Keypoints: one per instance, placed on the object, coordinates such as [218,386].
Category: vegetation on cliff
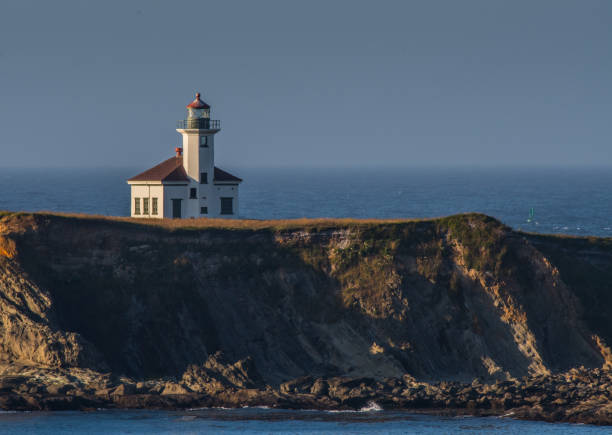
[441,299]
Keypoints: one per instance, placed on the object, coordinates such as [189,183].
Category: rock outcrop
[301,313]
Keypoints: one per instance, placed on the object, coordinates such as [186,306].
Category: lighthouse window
[193,193]
[145,205]
[154,205]
[203,210]
[203,178]
[204,141]
[136,205]
[227,205]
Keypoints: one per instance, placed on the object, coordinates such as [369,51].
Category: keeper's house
[188,185]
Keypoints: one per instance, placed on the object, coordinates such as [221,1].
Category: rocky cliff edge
[239,311]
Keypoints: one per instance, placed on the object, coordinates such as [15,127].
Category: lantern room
[198,109]
[198,117]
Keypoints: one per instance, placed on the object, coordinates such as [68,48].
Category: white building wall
[224,191]
[149,191]
[207,155]
[207,164]
[191,150]
[175,192]
[198,159]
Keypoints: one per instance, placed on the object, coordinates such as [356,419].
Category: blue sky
[316,83]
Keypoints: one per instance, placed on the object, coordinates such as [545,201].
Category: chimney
[179,151]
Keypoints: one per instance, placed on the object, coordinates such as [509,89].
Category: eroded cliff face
[446,299]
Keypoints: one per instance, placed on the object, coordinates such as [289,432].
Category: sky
[308,83]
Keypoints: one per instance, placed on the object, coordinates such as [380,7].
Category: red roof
[173,170]
[221,175]
[197,103]
[170,170]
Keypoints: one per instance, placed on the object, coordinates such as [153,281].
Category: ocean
[574,201]
[564,200]
[269,421]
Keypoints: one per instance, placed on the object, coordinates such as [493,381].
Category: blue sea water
[268,421]
[565,200]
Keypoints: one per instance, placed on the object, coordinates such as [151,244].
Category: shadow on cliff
[154,301]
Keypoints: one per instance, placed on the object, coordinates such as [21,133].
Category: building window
[227,205]
[203,210]
[193,193]
[145,205]
[203,178]
[204,141]
[136,206]
[154,206]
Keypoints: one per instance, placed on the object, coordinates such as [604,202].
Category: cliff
[449,299]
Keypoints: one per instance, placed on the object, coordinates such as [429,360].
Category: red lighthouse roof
[197,103]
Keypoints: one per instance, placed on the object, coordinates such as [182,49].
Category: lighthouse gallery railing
[200,123]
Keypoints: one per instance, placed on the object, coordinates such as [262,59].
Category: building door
[227,205]
[176,208]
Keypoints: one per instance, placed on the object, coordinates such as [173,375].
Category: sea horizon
[564,200]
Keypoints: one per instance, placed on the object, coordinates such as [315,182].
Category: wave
[371,407]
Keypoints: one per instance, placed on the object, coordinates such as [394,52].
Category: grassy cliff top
[154,296]
[472,224]
[228,224]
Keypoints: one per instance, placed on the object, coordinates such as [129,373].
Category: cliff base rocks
[99,312]
[577,396]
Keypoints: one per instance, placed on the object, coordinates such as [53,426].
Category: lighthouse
[188,185]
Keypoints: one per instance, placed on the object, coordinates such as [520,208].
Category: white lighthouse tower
[198,132]
[189,184]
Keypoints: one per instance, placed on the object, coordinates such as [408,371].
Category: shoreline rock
[577,396]
[458,315]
